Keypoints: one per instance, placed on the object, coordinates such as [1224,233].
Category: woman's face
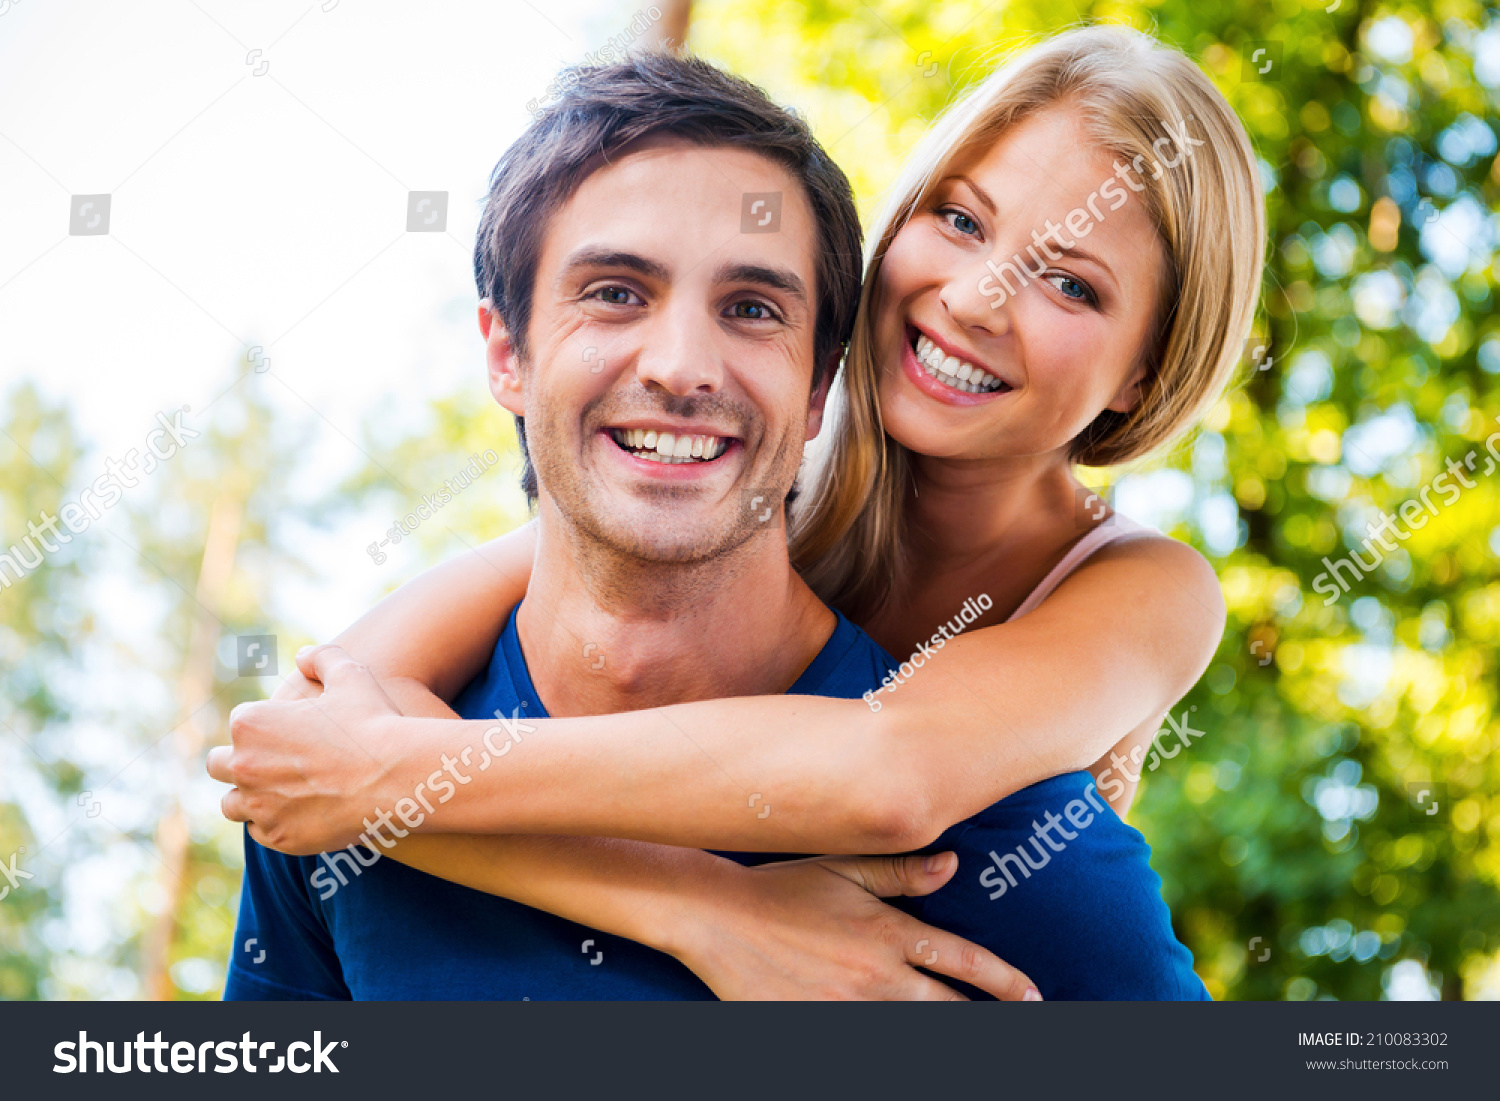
[1057,333]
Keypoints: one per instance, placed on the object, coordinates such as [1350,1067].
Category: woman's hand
[308,772]
[816,929]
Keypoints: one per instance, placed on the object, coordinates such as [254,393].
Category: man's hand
[816,929]
[307,772]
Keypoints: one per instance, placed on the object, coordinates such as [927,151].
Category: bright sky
[258,159]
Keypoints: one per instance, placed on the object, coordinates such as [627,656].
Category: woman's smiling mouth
[944,376]
[952,371]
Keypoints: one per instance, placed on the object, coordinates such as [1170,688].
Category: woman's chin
[917,423]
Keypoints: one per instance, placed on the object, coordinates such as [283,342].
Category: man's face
[670,360]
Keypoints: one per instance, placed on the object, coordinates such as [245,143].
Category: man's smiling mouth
[666,447]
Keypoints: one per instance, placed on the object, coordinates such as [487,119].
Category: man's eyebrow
[595,257]
[781,279]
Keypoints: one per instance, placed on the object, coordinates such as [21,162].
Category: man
[666,363]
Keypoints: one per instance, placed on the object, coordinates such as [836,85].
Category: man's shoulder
[850,664]
[503,685]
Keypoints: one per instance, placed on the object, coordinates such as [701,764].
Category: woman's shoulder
[1122,560]
[1159,559]
[1140,587]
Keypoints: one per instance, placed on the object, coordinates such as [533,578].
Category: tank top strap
[1116,528]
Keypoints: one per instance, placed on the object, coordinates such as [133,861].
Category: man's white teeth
[665,447]
[954,371]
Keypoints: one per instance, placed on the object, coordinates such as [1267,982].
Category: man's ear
[501,361]
[1128,396]
[820,396]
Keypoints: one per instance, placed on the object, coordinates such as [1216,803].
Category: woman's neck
[960,511]
[979,526]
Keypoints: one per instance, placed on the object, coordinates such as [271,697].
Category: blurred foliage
[1294,819]
[104,724]
[37,632]
[464,463]
[96,747]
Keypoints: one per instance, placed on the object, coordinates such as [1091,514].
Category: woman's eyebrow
[980,193]
[1086,256]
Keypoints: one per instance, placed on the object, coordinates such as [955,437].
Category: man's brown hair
[604,108]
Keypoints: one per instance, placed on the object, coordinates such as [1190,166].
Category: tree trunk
[194,689]
[670,32]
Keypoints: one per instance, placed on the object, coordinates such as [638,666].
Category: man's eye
[615,296]
[752,310]
[1075,289]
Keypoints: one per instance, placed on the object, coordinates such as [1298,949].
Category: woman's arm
[804,929]
[795,930]
[993,711]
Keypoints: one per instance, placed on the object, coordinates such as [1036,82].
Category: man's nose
[680,354]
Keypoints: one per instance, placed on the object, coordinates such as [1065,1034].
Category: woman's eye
[1072,288]
[615,296]
[751,310]
[961,222]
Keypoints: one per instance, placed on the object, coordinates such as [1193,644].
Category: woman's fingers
[889,876]
[945,954]
[329,664]
[220,763]
[925,989]
[932,949]
[234,807]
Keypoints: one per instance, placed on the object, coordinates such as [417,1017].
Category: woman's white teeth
[954,371]
[665,447]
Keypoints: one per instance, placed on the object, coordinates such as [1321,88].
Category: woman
[1066,275]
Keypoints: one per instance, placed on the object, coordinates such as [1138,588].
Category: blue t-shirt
[1085,922]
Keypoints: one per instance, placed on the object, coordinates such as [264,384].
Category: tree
[42,624]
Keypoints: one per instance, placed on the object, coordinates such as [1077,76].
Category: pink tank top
[1118,527]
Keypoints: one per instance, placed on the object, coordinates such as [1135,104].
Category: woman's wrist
[409,767]
[688,923]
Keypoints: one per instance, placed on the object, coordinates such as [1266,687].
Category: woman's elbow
[896,813]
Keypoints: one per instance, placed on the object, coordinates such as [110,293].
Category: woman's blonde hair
[847,532]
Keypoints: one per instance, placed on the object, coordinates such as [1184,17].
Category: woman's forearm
[767,773]
[547,776]
[480,766]
[647,893]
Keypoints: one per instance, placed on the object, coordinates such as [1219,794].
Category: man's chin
[655,532]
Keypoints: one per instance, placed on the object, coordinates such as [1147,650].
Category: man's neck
[602,632]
